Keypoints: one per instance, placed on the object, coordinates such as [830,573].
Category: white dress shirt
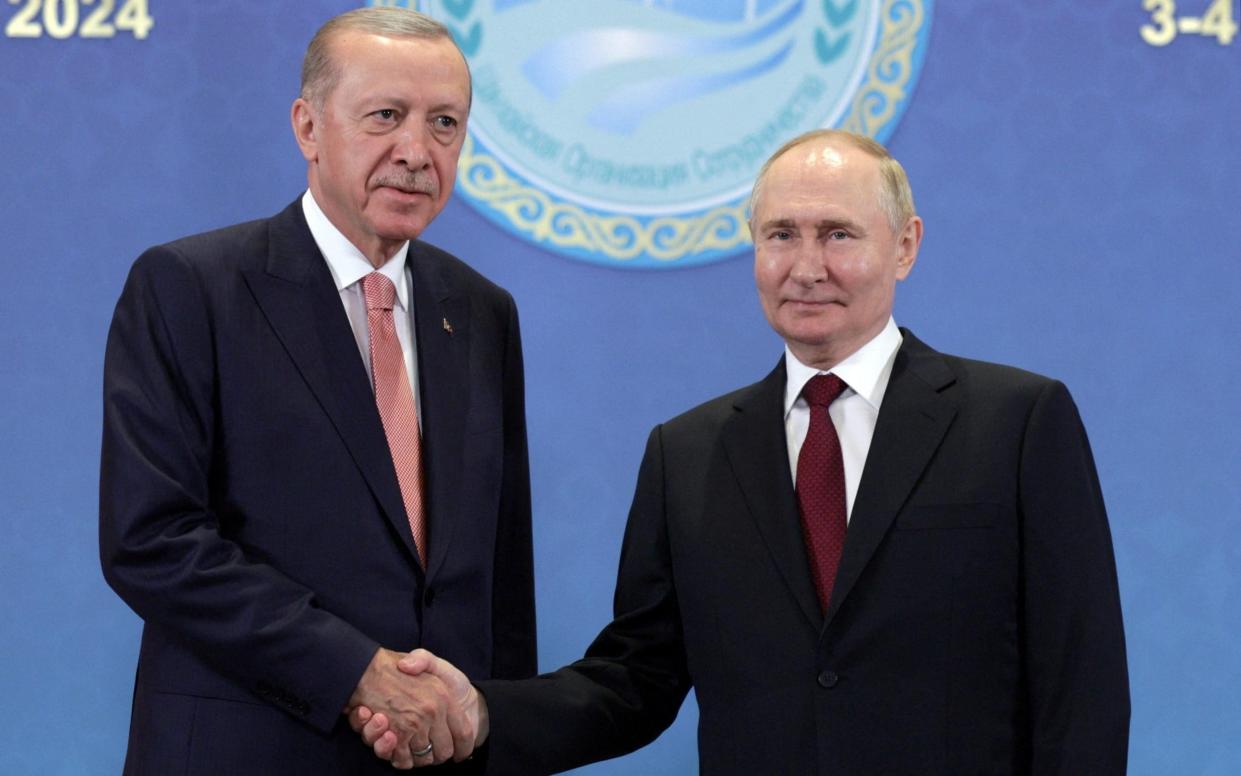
[865,373]
[348,267]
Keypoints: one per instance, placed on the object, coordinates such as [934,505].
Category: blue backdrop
[1080,190]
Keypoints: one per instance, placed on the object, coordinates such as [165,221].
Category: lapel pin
[447,326]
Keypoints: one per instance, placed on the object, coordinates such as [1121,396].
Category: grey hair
[896,198]
[320,73]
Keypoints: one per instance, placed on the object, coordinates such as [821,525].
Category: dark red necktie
[821,486]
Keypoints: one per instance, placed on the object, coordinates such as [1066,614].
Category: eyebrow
[823,224]
[449,107]
[367,102]
[840,223]
[370,101]
[779,223]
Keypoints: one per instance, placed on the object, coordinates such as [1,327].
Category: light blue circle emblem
[629,132]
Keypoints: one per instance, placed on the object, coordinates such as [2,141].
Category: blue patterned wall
[1080,190]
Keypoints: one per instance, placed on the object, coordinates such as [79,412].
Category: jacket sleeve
[633,679]
[1074,638]
[162,547]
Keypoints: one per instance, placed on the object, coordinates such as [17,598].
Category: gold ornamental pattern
[621,237]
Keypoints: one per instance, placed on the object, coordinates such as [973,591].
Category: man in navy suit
[284,537]
[964,620]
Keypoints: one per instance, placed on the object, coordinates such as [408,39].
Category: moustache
[415,183]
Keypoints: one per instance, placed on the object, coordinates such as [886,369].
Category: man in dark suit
[314,447]
[912,574]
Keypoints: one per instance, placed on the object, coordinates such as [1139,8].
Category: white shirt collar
[866,371]
[345,261]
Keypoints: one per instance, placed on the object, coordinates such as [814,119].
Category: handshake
[416,710]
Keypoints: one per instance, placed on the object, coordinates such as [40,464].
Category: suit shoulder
[989,373]
[226,244]
[192,265]
[985,377]
[983,388]
[1000,390]
[709,415]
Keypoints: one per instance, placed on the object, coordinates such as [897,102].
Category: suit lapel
[294,289]
[912,422]
[442,327]
[754,443]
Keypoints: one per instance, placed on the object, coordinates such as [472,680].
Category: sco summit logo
[628,132]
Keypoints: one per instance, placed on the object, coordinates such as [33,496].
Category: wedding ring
[423,752]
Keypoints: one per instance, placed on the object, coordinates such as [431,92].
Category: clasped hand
[416,710]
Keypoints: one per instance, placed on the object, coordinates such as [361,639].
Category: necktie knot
[822,390]
[379,291]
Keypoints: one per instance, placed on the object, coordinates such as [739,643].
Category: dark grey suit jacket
[250,512]
[974,627]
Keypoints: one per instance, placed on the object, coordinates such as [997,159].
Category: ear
[907,247]
[304,120]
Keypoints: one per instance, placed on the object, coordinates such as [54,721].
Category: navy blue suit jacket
[250,512]
[974,627]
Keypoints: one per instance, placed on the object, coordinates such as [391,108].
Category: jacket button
[828,679]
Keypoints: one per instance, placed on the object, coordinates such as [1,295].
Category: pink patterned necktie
[821,486]
[395,399]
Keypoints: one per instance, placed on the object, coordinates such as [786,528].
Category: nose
[410,147]
[809,267]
